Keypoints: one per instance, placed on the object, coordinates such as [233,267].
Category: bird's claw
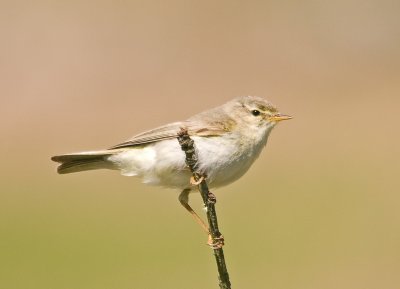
[216,243]
[211,199]
[193,181]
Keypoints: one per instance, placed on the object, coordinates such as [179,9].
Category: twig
[187,145]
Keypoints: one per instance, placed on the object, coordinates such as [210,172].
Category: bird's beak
[279,117]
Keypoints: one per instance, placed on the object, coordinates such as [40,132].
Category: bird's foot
[193,181]
[211,199]
[216,243]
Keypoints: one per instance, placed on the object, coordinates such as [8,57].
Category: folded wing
[170,131]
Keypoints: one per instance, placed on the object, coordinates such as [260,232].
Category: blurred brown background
[319,209]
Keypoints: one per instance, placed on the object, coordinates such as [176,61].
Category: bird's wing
[171,130]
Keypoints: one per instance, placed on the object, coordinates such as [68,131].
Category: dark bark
[188,146]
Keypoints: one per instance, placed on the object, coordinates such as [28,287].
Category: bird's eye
[255,112]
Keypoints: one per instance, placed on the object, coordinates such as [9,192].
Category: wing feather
[170,131]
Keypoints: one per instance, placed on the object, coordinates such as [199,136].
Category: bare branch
[188,146]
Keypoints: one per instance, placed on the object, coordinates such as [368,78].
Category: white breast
[223,159]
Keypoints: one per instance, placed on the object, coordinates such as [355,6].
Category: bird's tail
[84,161]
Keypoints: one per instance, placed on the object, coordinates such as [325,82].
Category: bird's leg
[184,199]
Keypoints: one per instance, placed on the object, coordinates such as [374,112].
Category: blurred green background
[319,209]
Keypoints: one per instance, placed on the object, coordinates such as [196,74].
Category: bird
[228,139]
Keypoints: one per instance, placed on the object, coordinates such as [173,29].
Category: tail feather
[71,163]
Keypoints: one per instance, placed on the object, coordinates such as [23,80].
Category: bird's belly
[223,159]
[163,163]
[218,158]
